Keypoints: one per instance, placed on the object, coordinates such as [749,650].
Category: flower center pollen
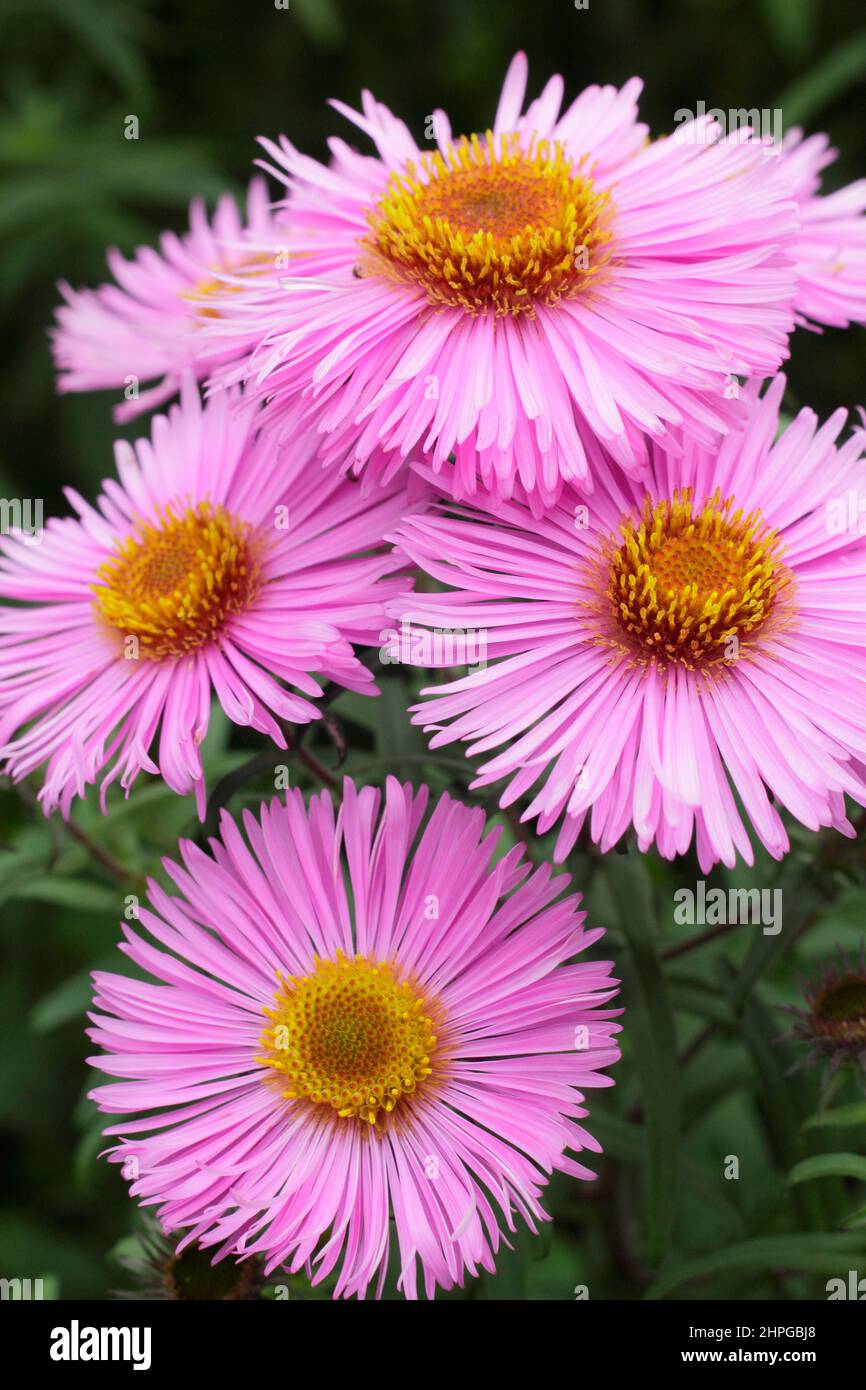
[691,586]
[202,295]
[491,227]
[352,1035]
[173,584]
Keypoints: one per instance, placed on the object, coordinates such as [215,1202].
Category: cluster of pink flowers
[539,366]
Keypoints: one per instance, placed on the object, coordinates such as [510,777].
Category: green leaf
[396,737]
[840,1118]
[697,997]
[782,1105]
[807,1253]
[360,709]
[766,948]
[70,892]
[829,1166]
[618,1137]
[99,28]
[69,1000]
[842,68]
[651,1025]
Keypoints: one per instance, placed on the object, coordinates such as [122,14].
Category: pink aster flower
[831,248]
[661,646]
[218,563]
[356,1021]
[523,297]
[148,324]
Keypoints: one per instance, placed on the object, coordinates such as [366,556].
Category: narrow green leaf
[99,28]
[618,1137]
[703,1000]
[840,1118]
[829,1166]
[843,67]
[651,1025]
[70,892]
[396,737]
[806,1253]
[67,1001]
[801,898]
[782,1106]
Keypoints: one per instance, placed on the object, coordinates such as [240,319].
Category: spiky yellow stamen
[692,586]
[492,226]
[353,1035]
[173,583]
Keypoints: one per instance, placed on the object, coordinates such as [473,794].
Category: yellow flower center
[201,294]
[691,587]
[173,584]
[352,1035]
[491,226]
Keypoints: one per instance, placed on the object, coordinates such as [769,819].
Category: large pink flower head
[524,297]
[218,563]
[148,325]
[664,644]
[831,248]
[356,1020]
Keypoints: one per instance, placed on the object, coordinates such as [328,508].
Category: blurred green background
[702,1077]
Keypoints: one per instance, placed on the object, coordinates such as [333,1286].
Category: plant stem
[692,943]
